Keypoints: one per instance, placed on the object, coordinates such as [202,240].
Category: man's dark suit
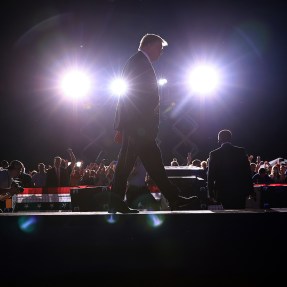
[137,117]
[138,111]
[229,176]
[52,179]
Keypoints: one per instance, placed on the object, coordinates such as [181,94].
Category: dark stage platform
[214,248]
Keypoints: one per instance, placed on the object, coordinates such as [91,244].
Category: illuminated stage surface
[204,248]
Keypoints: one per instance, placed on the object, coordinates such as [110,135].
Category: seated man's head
[224,136]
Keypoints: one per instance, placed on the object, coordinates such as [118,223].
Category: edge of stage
[221,247]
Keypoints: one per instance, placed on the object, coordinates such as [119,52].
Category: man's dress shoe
[121,207]
[185,203]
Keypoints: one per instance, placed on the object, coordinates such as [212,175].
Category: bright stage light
[204,79]
[162,82]
[75,84]
[118,87]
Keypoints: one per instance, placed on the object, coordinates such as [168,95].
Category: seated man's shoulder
[238,150]
[242,148]
[215,151]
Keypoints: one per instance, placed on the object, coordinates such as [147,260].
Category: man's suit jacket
[52,180]
[138,110]
[229,177]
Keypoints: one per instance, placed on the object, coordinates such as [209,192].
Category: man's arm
[248,175]
[118,137]
[211,177]
[72,158]
[6,193]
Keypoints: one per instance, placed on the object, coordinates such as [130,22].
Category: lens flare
[27,224]
[155,220]
[112,218]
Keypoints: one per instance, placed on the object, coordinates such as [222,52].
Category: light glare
[75,84]
[119,87]
[162,82]
[204,79]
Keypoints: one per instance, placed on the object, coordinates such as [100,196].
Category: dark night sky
[247,39]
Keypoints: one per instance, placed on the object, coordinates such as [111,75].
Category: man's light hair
[225,135]
[150,39]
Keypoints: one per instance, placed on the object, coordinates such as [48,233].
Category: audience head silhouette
[15,167]
[4,164]
[57,161]
[16,164]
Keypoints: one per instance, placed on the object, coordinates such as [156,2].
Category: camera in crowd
[16,183]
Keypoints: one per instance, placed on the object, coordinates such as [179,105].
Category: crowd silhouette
[74,173]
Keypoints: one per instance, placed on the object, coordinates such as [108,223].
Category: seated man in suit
[229,179]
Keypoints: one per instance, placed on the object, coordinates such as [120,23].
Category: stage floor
[218,248]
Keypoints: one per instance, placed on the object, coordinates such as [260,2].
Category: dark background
[246,39]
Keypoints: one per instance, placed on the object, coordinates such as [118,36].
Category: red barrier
[51,190]
[272,184]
